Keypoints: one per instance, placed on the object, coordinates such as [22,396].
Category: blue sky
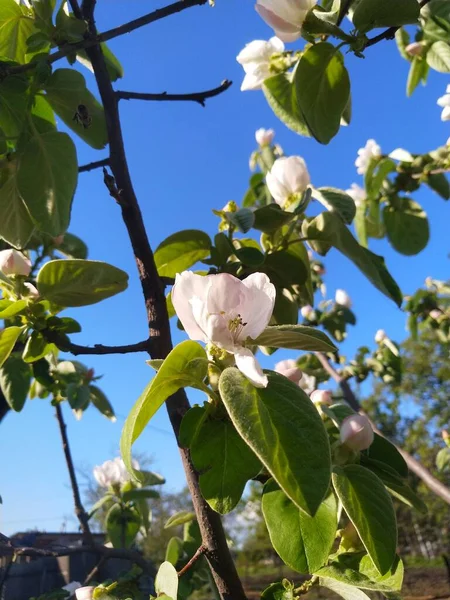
[185,161]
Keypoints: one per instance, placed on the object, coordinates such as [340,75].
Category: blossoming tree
[325,473]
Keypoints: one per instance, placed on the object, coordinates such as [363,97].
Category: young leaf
[370,14]
[439,183]
[185,366]
[336,200]
[122,525]
[348,592]
[13,101]
[438,57]
[270,218]
[407,226]
[383,451]
[181,251]
[79,282]
[8,339]
[73,247]
[279,93]
[301,541]
[295,337]
[179,518]
[285,431]
[15,379]
[16,26]
[101,402]
[417,71]
[369,507]
[174,550]
[322,90]
[166,581]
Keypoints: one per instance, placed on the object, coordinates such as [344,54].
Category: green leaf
[185,366]
[113,64]
[8,339]
[370,14]
[402,38]
[179,518]
[279,591]
[15,380]
[101,402]
[442,458]
[181,251]
[370,509]
[438,57]
[78,398]
[65,91]
[222,458]
[384,451]
[285,311]
[14,308]
[336,200]
[122,525]
[280,95]
[284,429]
[322,90]
[295,337]
[250,257]
[407,226]
[417,71]
[301,541]
[285,268]
[330,228]
[357,569]
[270,218]
[166,581]
[243,219]
[439,183]
[80,282]
[73,247]
[16,26]
[348,592]
[376,174]
[47,178]
[13,104]
[139,494]
[436,22]
[36,348]
[174,550]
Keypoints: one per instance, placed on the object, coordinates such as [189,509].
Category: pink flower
[223,311]
[13,262]
[322,397]
[264,137]
[285,16]
[415,49]
[289,369]
[356,432]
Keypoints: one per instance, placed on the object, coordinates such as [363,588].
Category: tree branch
[97,349]
[413,464]
[81,514]
[199,97]
[389,34]
[94,165]
[343,11]
[213,535]
[198,554]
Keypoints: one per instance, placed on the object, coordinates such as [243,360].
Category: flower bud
[85,593]
[289,369]
[284,16]
[264,137]
[356,432]
[343,298]
[322,397]
[13,262]
[308,312]
[435,313]
[287,180]
[414,49]
[380,336]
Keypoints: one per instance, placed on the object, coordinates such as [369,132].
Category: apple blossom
[13,262]
[85,593]
[308,312]
[287,180]
[415,48]
[444,102]
[365,155]
[435,313]
[112,472]
[72,587]
[401,155]
[380,336]
[264,137]
[341,297]
[32,291]
[255,59]
[289,369]
[322,397]
[224,311]
[356,432]
[285,16]
[308,383]
[357,193]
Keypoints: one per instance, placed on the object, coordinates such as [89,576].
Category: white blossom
[85,593]
[264,137]
[112,472]
[341,297]
[444,102]
[365,155]
[380,336]
[308,383]
[322,397]
[357,193]
[401,155]
[255,59]
[287,179]
[224,311]
[356,432]
[285,16]
[72,587]
[289,369]
[13,262]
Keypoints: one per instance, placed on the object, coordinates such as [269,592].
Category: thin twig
[75,9]
[95,570]
[343,11]
[94,165]
[199,97]
[81,514]
[87,8]
[414,465]
[97,349]
[156,15]
[389,34]
[198,554]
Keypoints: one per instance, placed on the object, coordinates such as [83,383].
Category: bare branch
[343,11]
[199,97]
[97,349]
[198,554]
[389,34]
[75,9]
[94,165]
[413,464]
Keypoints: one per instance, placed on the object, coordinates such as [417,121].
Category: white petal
[187,286]
[249,366]
[276,44]
[401,155]
[255,51]
[226,294]
[445,116]
[259,304]
[251,83]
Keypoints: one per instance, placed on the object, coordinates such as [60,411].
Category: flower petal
[260,300]
[248,365]
[226,295]
[188,285]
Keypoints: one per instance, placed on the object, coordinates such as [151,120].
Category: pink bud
[322,397]
[32,291]
[308,312]
[85,593]
[13,262]
[435,313]
[289,369]
[414,49]
[356,432]
[264,137]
